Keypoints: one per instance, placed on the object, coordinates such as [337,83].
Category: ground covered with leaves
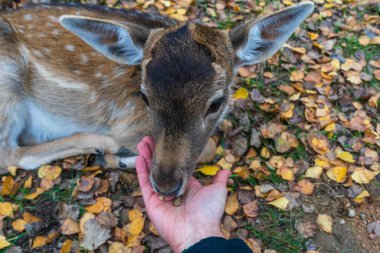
[302,140]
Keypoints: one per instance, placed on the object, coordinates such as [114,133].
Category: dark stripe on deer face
[182,79]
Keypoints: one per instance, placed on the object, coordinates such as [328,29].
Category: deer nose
[174,191]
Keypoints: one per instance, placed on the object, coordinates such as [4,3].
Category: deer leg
[32,157]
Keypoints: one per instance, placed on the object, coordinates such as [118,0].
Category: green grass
[276,231]
[299,153]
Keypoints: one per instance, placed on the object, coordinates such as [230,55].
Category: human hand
[199,214]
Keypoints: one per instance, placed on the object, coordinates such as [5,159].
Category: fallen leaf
[137,222]
[35,194]
[29,218]
[49,172]
[94,235]
[314,172]
[361,197]
[39,241]
[281,203]
[209,170]
[3,242]
[102,204]
[28,182]
[286,173]
[6,209]
[346,156]
[251,209]
[66,246]
[324,221]
[319,143]
[9,186]
[241,93]
[297,75]
[362,175]
[338,174]
[86,217]
[19,225]
[305,186]
[232,204]
[70,227]
[86,183]
[106,219]
[12,170]
[306,229]
[118,247]
[265,153]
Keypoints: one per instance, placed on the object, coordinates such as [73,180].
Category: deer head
[187,71]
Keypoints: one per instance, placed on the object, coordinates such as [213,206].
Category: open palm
[198,216]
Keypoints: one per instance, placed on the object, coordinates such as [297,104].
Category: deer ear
[257,41]
[120,42]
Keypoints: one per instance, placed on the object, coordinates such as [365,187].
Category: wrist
[197,236]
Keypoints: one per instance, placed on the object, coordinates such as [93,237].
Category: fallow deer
[83,80]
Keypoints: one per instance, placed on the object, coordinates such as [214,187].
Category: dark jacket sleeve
[219,245]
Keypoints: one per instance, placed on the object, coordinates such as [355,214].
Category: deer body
[80,80]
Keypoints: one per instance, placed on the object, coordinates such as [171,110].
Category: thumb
[222,177]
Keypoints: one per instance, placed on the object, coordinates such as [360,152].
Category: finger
[150,141]
[144,150]
[143,176]
[222,177]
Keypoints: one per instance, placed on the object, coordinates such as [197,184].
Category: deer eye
[215,105]
[143,96]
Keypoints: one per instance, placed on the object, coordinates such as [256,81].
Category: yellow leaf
[324,221]
[281,203]
[28,182]
[102,204]
[8,186]
[314,172]
[242,172]
[39,241]
[346,156]
[232,204]
[224,164]
[35,194]
[137,222]
[289,113]
[321,163]
[6,209]
[49,172]
[320,145]
[19,225]
[338,174]
[70,227]
[313,36]
[66,246]
[29,218]
[209,170]
[3,242]
[362,175]
[133,241]
[286,173]
[13,170]
[265,153]
[330,127]
[360,198]
[118,247]
[241,93]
